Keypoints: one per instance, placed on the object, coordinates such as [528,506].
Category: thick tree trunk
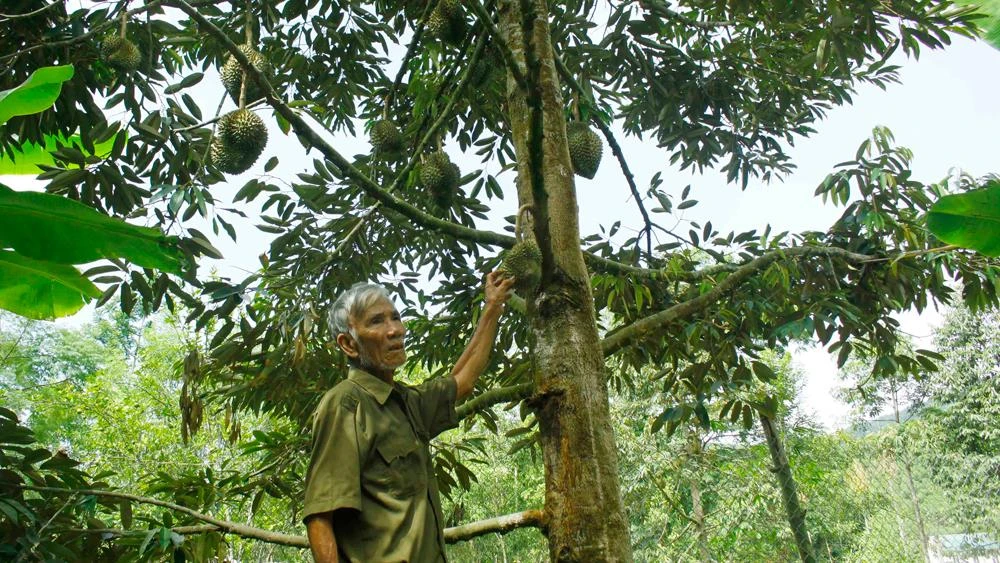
[790,496]
[586,519]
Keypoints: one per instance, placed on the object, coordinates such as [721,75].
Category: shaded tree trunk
[585,515]
[789,495]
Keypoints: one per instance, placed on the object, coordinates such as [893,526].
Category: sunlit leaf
[42,290]
[36,94]
[970,219]
[50,227]
[30,156]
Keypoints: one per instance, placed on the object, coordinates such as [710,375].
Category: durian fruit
[121,53]
[227,159]
[244,130]
[232,74]
[447,22]
[523,262]
[241,138]
[584,149]
[440,176]
[386,138]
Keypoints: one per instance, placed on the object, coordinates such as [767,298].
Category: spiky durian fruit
[232,74]
[244,130]
[242,136]
[447,22]
[523,262]
[228,159]
[584,149]
[121,53]
[440,176]
[386,138]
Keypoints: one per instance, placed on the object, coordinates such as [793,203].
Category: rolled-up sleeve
[333,480]
[435,404]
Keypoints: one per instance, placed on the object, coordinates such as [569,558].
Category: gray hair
[352,303]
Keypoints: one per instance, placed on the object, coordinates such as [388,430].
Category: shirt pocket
[400,470]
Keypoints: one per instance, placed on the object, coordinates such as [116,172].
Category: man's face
[380,335]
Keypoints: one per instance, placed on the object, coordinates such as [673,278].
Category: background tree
[732,84]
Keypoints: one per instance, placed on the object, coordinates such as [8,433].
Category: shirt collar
[375,386]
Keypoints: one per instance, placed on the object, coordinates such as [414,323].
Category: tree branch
[31,13]
[306,132]
[222,525]
[493,397]
[418,32]
[497,525]
[640,328]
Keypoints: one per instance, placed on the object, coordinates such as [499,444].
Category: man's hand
[473,360]
[498,288]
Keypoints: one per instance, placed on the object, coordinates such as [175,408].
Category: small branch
[498,525]
[505,51]
[493,397]
[223,525]
[411,49]
[29,14]
[418,217]
[640,328]
[615,149]
[182,530]
[661,9]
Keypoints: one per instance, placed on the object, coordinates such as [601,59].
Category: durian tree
[540,92]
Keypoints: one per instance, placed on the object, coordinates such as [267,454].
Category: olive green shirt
[370,453]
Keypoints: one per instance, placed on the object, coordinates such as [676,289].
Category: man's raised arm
[476,355]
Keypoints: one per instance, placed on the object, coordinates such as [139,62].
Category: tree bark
[585,514]
[789,495]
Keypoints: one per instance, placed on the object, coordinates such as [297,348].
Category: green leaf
[991,23]
[36,94]
[56,229]
[970,219]
[42,290]
[763,371]
[29,157]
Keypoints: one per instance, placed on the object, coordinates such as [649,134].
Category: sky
[945,111]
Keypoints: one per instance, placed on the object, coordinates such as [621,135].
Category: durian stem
[576,105]
[248,31]
[243,91]
[518,224]
[248,35]
[124,19]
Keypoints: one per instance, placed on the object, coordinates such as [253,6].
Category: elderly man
[371,493]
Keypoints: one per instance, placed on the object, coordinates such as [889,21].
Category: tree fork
[585,515]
